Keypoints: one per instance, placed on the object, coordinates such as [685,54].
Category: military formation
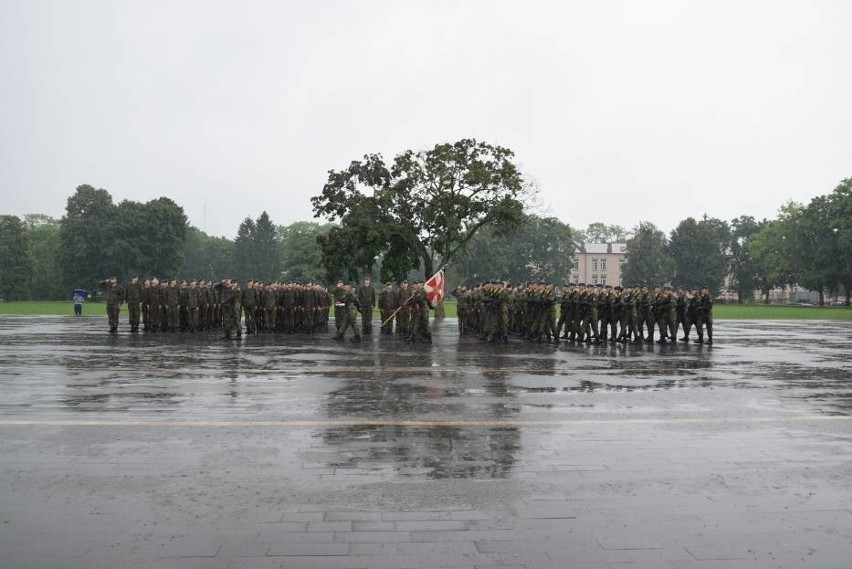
[494,311]
[170,306]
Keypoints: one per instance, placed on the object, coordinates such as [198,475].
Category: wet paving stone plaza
[276,451]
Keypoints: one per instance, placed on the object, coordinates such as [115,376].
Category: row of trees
[465,204]
[807,245]
[45,258]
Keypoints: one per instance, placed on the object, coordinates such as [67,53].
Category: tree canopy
[697,252]
[424,205]
[647,258]
[542,249]
[15,261]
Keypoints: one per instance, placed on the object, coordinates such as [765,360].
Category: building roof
[601,248]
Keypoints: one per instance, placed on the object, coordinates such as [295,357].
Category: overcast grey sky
[620,111]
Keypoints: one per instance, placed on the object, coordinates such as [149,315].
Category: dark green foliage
[647,258]
[43,242]
[426,205]
[85,238]
[744,269]
[602,233]
[15,261]
[697,250]
[206,257]
[256,250]
[99,239]
[542,249]
[301,255]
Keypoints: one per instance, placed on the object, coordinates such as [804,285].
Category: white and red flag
[434,287]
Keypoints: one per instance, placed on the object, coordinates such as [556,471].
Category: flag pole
[417,288]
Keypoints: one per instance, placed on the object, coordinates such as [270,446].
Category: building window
[594,279]
[576,280]
[576,265]
[603,280]
[594,264]
[603,264]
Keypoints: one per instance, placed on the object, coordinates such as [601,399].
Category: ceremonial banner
[434,287]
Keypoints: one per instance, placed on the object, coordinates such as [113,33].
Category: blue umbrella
[82,292]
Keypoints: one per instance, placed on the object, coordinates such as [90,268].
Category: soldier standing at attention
[704,313]
[404,315]
[367,299]
[115,296]
[133,294]
[249,304]
[229,299]
[146,301]
[387,304]
[193,298]
[419,306]
[339,295]
[172,306]
[349,311]
[270,307]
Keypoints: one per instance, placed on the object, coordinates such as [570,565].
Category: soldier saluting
[115,296]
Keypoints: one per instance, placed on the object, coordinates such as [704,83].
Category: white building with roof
[598,263]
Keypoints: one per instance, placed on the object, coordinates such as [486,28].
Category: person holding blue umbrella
[80,296]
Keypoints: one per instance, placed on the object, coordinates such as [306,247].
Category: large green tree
[646,258]
[768,249]
[43,243]
[430,203]
[301,255]
[163,237]
[839,213]
[85,233]
[268,253]
[206,257]
[542,249]
[599,232]
[744,269]
[256,250]
[245,255]
[100,239]
[696,249]
[15,261]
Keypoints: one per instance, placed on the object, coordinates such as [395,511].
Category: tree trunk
[821,297]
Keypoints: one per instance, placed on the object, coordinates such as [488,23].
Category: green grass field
[720,311]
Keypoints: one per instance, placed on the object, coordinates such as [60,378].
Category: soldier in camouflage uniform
[115,296]
[367,299]
[403,317]
[172,304]
[249,306]
[419,307]
[646,314]
[230,297]
[193,297]
[339,297]
[133,295]
[269,300]
[349,314]
[704,316]
[589,307]
[387,304]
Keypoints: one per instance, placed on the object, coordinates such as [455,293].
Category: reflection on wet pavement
[60,368]
[298,451]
